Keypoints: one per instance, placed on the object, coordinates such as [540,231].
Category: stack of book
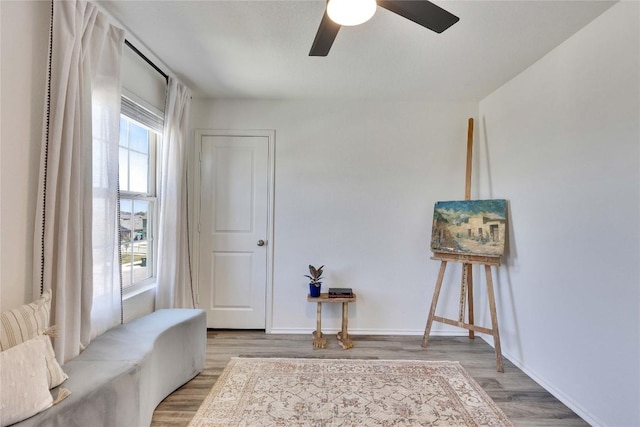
[340,293]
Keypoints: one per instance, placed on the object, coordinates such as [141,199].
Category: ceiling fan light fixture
[351,12]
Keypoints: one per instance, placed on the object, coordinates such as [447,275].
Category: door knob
[260,242]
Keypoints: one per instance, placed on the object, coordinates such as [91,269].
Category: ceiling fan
[422,12]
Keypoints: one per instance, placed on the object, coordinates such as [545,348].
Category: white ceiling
[259,49]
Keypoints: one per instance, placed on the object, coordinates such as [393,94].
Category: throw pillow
[25,322]
[23,375]
[55,374]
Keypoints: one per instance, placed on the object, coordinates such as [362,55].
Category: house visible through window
[137,198]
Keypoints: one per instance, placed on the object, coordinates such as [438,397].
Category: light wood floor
[522,400]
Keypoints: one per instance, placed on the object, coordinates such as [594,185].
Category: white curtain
[174,268]
[76,230]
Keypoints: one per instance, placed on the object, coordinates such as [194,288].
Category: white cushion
[25,322]
[55,374]
[30,321]
[25,388]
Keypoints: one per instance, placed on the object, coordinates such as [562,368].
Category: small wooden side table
[319,341]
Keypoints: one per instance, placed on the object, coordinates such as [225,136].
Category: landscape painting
[470,227]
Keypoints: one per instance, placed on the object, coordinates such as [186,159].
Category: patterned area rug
[330,392]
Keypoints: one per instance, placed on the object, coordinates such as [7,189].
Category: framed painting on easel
[469,227]
[468,232]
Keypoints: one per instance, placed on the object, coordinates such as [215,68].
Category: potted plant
[315,280]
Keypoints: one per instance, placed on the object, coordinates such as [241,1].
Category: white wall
[23,37]
[560,142]
[355,185]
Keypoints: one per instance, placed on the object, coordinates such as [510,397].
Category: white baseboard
[409,332]
[548,386]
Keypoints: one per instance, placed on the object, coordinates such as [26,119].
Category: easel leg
[466,294]
[434,302]
[470,296]
[463,294]
[494,319]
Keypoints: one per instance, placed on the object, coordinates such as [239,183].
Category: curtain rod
[147,60]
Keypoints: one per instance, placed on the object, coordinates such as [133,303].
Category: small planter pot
[314,291]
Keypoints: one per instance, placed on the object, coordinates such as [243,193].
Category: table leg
[319,341]
[343,336]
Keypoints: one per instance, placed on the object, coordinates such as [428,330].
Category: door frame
[271,137]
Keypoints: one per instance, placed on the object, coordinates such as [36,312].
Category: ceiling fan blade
[325,36]
[421,12]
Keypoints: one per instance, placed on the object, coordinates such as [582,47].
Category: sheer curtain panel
[76,234]
[174,269]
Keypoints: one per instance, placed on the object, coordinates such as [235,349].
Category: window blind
[142,115]
[142,80]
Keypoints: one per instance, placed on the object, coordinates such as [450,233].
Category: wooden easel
[466,286]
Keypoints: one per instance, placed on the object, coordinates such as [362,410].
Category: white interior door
[234,185]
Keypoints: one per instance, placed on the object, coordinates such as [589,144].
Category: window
[137,162]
